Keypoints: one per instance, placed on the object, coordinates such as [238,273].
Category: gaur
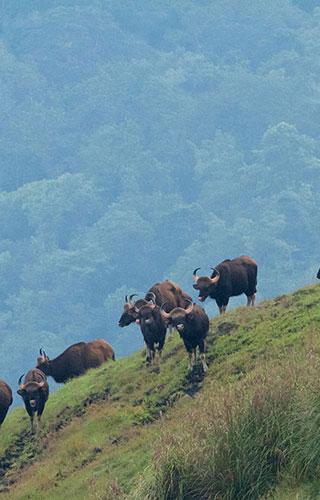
[75,360]
[35,391]
[5,400]
[229,279]
[192,324]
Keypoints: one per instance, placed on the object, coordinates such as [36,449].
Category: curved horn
[152,298]
[20,379]
[189,309]
[131,297]
[43,353]
[126,298]
[216,278]
[195,276]
[164,314]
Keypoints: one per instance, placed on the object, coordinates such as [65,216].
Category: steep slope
[99,431]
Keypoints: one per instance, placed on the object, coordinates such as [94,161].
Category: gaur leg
[222,305]
[3,414]
[32,423]
[190,354]
[148,354]
[40,411]
[251,300]
[222,309]
[202,348]
[189,349]
[152,352]
[170,329]
[192,358]
[160,345]
[152,349]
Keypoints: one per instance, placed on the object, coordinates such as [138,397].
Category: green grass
[100,431]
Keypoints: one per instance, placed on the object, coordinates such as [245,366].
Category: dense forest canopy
[141,139]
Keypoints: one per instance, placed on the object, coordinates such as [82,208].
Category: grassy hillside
[113,433]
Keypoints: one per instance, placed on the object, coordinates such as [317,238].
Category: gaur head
[43,363]
[145,313]
[129,314]
[30,392]
[178,317]
[206,286]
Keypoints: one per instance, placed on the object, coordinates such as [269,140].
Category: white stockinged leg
[203,361]
[190,354]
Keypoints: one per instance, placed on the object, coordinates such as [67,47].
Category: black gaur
[229,278]
[34,391]
[192,324]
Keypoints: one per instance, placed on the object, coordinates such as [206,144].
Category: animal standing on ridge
[5,400]
[34,391]
[229,279]
[166,291]
[75,360]
[153,329]
[192,324]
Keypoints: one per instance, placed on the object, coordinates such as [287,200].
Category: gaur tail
[318,274]
[113,357]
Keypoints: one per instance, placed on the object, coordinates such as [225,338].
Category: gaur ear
[20,392]
[195,287]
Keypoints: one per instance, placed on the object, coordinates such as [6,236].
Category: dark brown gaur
[75,360]
[5,400]
[35,392]
[153,329]
[192,324]
[228,279]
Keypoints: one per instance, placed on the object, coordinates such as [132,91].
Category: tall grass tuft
[238,442]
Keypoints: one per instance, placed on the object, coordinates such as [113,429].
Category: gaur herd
[165,306]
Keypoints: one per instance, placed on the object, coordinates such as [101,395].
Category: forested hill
[142,139]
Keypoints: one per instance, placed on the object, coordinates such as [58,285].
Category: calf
[5,400]
[192,325]
[153,329]
[34,392]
